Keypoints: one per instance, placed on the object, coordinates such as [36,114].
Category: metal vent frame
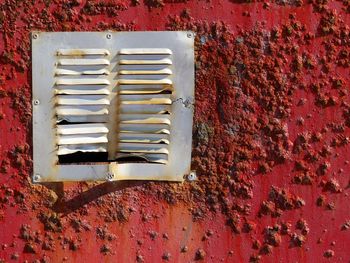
[45,48]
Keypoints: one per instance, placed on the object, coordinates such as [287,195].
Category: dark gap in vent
[64,122]
[166,92]
[91,158]
[82,157]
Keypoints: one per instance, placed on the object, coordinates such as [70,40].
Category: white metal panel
[89,63]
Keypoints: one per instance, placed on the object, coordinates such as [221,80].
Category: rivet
[108,36]
[192,176]
[35,36]
[189,35]
[36,178]
[36,102]
[109,176]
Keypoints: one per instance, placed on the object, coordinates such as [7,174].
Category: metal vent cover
[126,94]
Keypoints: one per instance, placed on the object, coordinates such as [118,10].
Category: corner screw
[36,102]
[35,36]
[189,35]
[108,36]
[36,178]
[109,176]
[192,176]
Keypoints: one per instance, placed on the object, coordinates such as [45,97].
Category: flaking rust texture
[271,140]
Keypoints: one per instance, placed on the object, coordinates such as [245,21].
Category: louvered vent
[112,105]
[144,110]
[82,100]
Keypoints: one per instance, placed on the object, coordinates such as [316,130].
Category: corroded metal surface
[271,140]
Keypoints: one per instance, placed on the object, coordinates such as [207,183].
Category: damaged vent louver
[82,98]
[112,106]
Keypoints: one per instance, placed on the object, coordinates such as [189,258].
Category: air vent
[82,100]
[145,92]
[111,105]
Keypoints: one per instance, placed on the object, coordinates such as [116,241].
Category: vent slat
[82,52]
[82,118]
[144,97]
[145,82]
[85,128]
[82,100]
[82,139]
[91,81]
[140,128]
[143,138]
[81,110]
[142,148]
[142,109]
[68,72]
[139,119]
[160,141]
[74,91]
[154,101]
[165,71]
[145,51]
[83,62]
[150,157]
[164,61]
[145,91]
[69,149]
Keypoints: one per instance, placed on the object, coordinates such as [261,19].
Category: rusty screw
[108,36]
[109,176]
[35,36]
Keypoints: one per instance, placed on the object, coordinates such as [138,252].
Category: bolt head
[36,178]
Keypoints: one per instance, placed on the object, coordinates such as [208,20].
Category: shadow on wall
[69,206]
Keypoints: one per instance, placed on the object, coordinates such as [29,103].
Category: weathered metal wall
[271,140]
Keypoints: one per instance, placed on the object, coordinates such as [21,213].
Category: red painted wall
[271,140]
